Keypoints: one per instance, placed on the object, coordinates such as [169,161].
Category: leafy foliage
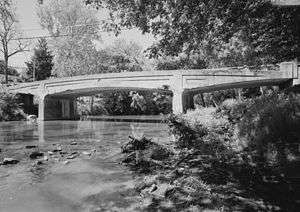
[41,62]
[124,56]
[243,151]
[126,103]
[182,61]
[10,108]
[74,27]
[223,32]
[201,129]
[267,126]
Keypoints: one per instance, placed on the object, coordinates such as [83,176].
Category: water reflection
[61,131]
[41,131]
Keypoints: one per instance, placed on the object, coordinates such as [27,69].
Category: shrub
[249,146]
[203,130]
[10,108]
[270,126]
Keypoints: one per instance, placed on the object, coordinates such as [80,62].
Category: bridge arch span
[61,92]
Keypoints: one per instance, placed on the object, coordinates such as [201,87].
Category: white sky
[29,25]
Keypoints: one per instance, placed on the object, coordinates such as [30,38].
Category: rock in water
[30,147]
[7,161]
[86,153]
[57,149]
[39,162]
[72,156]
[31,118]
[66,162]
[36,154]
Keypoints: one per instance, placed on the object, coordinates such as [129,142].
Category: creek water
[97,183]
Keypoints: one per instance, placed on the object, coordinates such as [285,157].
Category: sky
[29,26]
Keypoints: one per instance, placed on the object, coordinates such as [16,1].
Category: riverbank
[129,118]
[242,156]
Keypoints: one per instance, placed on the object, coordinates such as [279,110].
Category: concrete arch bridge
[57,96]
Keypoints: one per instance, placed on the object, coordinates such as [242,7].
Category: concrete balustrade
[57,96]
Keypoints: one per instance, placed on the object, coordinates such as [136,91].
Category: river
[87,183]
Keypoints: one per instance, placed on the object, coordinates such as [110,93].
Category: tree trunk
[238,93]
[202,99]
[6,68]
[92,105]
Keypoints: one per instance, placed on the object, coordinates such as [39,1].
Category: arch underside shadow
[243,84]
[62,105]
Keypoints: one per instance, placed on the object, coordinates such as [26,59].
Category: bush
[271,128]
[126,103]
[241,156]
[10,108]
[203,130]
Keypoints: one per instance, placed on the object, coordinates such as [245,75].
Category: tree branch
[20,49]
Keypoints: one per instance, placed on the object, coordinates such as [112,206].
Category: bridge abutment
[182,101]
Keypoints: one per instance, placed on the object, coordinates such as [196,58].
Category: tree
[10,45]
[74,26]
[11,70]
[182,61]
[41,62]
[125,56]
[223,32]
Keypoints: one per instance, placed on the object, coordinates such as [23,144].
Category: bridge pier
[182,101]
[54,108]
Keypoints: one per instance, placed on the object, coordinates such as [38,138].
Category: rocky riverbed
[74,176]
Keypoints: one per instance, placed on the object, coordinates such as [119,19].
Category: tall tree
[10,45]
[125,56]
[252,31]
[74,27]
[40,66]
